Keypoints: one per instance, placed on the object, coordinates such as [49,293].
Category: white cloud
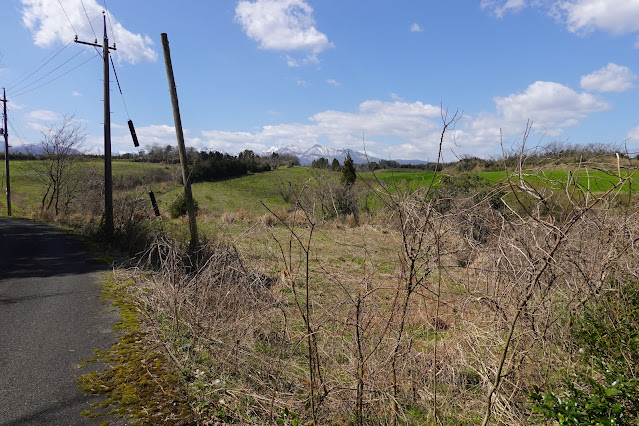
[43,115]
[416,28]
[294,63]
[286,25]
[633,134]
[291,62]
[333,82]
[76,93]
[500,7]
[614,16]
[617,17]
[47,21]
[550,106]
[157,134]
[611,78]
[415,125]
[411,130]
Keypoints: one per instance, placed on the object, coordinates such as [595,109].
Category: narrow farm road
[51,319]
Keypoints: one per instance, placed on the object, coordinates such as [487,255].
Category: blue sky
[253,74]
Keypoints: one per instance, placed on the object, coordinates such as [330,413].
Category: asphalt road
[51,319]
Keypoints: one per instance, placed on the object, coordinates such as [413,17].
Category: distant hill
[308,155]
[33,149]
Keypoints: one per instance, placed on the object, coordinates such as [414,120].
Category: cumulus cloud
[333,82]
[500,7]
[49,24]
[617,17]
[416,28]
[410,130]
[285,25]
[611,78]
[415,124]
[398,129]
[157,134]
[551,107]
[614,16]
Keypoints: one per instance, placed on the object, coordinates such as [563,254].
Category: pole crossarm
[93,44]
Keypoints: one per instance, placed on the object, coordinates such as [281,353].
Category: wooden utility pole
[190,206]
[5,131]
[108,178]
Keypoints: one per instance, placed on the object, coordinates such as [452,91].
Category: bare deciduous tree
[57,168]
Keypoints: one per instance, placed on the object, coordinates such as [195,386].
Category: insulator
[154,203]
[133,135]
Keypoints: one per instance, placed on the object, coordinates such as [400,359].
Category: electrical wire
[39,68]
[109,19]
[50,72]
[87,15]
[65,14]
[14,129]
[54,79]
[117,80]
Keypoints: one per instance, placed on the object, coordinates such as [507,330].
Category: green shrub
[178,206]
[605,389]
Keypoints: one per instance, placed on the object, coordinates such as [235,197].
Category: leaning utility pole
[190,206]
[108,178]
[6,150]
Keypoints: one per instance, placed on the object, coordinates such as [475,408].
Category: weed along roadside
[462,293]
[139,384]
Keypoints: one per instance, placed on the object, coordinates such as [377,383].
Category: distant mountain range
[33,149]
[308,155]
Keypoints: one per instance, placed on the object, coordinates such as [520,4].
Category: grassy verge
[139,384]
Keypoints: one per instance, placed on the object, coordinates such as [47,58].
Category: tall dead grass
[470,311]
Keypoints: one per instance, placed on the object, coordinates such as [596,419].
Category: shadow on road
[51,414]
[38,250]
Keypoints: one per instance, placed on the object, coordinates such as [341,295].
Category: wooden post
[6,152]
[108,178]
[190,206]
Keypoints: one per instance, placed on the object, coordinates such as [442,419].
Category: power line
[54,79]
[50,72]
[65,14]
[117,80]
[41,66]
[109,18]
[14,128]
[87,15]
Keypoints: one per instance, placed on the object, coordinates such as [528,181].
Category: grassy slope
[26,190]
[249,191]
[245,192]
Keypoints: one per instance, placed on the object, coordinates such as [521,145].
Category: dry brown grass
[239,335]
[442,308]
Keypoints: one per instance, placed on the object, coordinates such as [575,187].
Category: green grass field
[248,192]
[27,190]
[597,181]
